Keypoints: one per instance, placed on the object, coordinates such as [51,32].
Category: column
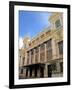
[21,61]
[34,56]
[39,53]
[24,72]
[33,73]
[28,73]
[29,57]
[45,53]
[54,54]
[26,58]
[58,66]
[38,72]
[45,71]
[57,51]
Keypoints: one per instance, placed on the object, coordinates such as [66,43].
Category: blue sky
[32,22]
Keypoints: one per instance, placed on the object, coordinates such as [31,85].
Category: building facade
[42,56]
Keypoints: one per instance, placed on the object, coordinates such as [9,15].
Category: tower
[56,20]
[26,42]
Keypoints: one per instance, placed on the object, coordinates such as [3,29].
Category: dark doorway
[41,72]
[35,72]
[21,71]
[30,72]
[49,71]
[26,72]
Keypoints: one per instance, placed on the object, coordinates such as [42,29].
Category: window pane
[37,50]
[32,52]
[60,44]
[27,57]
[53,66]
[57,23]
[49,44]
[61,67]
[23,60]
[36,58]
[49,54]
[42,56]
[21,71]
[42,47]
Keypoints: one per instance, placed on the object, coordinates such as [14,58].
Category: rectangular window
[37,50]
[61,67]
[42,56]
[42,47]
[49,44]
[53,66]
[28,57]
[49,54]
[21,71]
[49,49]
[32,55]
[32,52]
[26,72]
[60,44]
[23,60]
[29,44]
[36,54]
[36,58]
[57,23]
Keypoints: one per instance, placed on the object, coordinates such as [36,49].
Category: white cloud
[20,43]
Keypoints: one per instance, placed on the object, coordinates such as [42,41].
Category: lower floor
[40,70]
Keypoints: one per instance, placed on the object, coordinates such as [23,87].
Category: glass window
[53,66]
[49,44]
[36,58]
[21,71]
[61,67]
[49,54]
[42,47]
[60,44]
[42,56]
[32,52]
[49,49]
[24,45]
[29,44]
[57,23]
[32,55]
[23,60]
[28,57]
[37,50]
